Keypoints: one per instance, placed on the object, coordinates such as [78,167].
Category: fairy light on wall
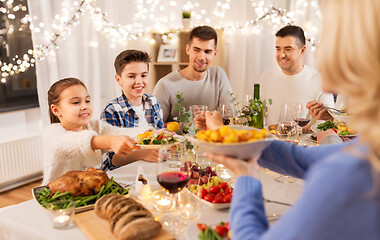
[155,11]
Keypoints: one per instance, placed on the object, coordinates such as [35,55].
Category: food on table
[214,191]
[338,126]
[226,134]
[221,231]
[131,221]
[44,197]
[79,183]
[150,138]
[272,128]
[173,126]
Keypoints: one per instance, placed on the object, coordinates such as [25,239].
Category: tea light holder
[223,173]
[162,201]
[62,213]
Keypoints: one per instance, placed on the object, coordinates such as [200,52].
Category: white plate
[212,205]
[179,139]
[315,129]
[309,138]
[241,150]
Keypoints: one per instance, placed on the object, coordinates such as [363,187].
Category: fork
[276,202]
[337,111]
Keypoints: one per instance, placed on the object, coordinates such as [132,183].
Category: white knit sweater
[68,150]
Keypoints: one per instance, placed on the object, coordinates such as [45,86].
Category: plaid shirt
[120,113]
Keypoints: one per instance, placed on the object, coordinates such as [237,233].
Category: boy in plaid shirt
[133,108]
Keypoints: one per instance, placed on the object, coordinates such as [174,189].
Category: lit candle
[225,176]
[164,202]
[61,220]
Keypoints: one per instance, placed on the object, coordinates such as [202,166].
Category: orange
[173,126]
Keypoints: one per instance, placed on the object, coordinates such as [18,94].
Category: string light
[163,23]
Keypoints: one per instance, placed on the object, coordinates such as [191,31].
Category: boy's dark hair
[55,92]
[128,56]
[294,31]
[204,33]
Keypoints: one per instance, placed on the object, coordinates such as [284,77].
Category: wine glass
[228,113]
[301,115]
[287,130]
[173,173]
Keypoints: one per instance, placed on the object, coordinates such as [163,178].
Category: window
[19,90]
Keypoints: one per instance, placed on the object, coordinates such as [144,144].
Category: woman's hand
[318,112]
[238,166]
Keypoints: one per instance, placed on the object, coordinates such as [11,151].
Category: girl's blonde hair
[349,61]
[55,91]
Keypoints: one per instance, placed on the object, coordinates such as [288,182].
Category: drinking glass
[228,113]
[173,173]
[301,115]
[198,110]
[287,130]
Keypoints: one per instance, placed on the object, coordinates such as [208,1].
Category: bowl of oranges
[235,141]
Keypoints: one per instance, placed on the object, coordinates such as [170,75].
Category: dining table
[28,220]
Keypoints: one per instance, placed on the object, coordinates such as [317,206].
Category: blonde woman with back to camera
[341,197]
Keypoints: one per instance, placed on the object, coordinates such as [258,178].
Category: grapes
[195,175]
[195,167]
[204,179]
[208,169]
[213,173]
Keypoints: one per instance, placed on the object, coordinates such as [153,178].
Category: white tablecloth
[29,221]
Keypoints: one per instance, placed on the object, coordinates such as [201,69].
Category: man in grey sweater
[200,83]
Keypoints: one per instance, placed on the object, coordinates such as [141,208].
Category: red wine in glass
[302,121]
[173,181]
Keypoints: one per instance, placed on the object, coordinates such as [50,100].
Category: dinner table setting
[178,208]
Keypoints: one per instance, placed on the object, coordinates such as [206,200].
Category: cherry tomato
[227,198]
[218,199]
[227,225]
[214,189]
[210,197]
[202,193]
[227,190]
[221,193]
[223,185]
[335,130]
[221,230]
[201,226]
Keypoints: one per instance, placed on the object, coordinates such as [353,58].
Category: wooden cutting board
[96,228]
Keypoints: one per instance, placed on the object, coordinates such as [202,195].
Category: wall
[20,124]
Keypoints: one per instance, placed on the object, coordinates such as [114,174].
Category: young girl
[73,141]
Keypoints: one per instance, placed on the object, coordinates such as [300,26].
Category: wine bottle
[258,120]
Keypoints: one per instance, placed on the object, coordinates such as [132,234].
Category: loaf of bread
[128,219]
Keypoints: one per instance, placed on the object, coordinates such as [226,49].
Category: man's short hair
[293,31]
[128,56]
[204,33]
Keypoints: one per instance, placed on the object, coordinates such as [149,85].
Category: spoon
[336,111]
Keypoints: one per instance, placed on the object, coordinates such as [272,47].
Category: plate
[241,150]
[344,118]
[315,129]
[179,138]
[310,139]
[212,205]
[77,209]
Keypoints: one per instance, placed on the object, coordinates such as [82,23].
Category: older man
[292,82]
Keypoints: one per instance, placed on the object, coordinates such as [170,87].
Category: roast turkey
[80,183]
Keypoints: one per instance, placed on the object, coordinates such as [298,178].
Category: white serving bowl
[345,118]
[241,150]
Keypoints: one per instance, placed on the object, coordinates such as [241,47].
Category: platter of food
[235,141]
[212,230]
[154,140]
[341,129]
[84,195]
